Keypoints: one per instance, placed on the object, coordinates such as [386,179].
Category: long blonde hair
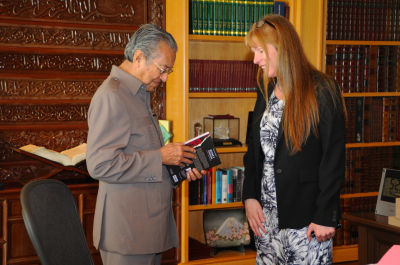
[295,75]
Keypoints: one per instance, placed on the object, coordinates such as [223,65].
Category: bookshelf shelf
[234,149]
[216,206]
[225,95]
[371,94]
[212,38]
[374,144]
[345,253]
[359,195]
[357,42]
[229,257]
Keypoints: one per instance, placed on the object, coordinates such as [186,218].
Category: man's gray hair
[148,39]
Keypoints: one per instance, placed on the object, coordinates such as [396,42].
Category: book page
[76,154]
[48,154]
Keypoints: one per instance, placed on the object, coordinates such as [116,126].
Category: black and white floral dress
[286,246]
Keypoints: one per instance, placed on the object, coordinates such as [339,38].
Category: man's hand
[255,216]
[177,154]
[322,233]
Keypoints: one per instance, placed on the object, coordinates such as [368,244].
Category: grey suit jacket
[134,203]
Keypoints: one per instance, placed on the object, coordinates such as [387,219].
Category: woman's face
[260,58]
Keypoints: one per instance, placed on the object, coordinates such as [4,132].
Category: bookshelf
[184,108]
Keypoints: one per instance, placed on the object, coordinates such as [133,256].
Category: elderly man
[133,221]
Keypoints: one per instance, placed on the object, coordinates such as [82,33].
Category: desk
[375,236]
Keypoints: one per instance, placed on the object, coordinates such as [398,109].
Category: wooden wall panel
[53,57]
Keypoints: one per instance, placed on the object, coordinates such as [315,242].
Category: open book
[69,157]
[207,157]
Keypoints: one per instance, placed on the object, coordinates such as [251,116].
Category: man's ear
[138,57]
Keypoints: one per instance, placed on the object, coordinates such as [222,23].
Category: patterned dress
[286,246]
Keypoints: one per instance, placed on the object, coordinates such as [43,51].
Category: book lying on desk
[206,158]
[70,157]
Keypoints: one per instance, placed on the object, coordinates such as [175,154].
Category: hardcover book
[206,158]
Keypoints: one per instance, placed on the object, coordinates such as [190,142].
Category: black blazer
[307,183]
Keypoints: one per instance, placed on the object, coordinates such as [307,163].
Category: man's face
[151,74]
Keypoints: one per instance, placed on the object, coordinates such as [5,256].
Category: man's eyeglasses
[168,71]
[263,22]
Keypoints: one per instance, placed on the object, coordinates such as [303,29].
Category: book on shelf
[279,8]
[224,186]
[206,158]
[218,187]
[222,116]
[69,157]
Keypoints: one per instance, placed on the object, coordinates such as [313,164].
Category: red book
[372,84]
[360,18]
[392,58]
[367,57]
[352,171]
[374,21]
[345,68]
[330,60]
[209,186]
[360,68]
[339,21]
[338,64]
[329,20]
[367,19]
[224,116]
[386,119]
[353,68]
[345,21]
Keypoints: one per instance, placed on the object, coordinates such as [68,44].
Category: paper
[391,257]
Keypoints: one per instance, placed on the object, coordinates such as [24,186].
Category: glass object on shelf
[224,131]
[197,129]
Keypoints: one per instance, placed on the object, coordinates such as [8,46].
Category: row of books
[374,20]
[229,17]
[364,167]
[348,233]
[364,68]
[222,76]
[372,119]
[227,183]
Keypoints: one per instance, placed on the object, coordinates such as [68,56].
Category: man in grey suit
[133,221]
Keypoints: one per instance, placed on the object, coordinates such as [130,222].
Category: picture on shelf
[226,228]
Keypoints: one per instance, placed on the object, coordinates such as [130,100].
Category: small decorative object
[224,129]
[197,129]
[226,229]
[389,187]
[165,130]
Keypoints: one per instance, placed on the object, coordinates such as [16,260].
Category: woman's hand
[255,216]
[322,233]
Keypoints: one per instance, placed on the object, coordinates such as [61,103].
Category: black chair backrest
[53,223]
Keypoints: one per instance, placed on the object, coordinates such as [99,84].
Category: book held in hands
[206,158]
[69,157]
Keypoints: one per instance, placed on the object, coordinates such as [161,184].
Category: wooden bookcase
[184,108]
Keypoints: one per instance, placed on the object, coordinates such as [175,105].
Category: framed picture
[226,229]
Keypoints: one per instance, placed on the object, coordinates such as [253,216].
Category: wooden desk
[375,236]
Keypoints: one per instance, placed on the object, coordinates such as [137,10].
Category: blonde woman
[296,154]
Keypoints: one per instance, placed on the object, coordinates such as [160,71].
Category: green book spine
[195,17]
[246,18]
[205,17]
[226,21]
[237,18]
[256,8]
[242,19]
[200,16]
[220,16]
[211,18]
[270,7]
[228,18]
[251,13]
[260,9]
[233,19]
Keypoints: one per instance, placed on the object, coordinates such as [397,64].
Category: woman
[296,154]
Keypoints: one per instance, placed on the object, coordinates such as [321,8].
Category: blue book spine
[218,188]
[230,186]
[279,8]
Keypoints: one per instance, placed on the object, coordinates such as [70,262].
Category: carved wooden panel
[22,246]
[99,12]
[63,37]
[13,88]
[63,63]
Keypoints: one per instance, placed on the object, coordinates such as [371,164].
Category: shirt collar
[131,82]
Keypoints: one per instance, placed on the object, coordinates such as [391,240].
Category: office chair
[53,223]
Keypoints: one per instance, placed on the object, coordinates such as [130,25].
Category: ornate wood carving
[132,13]
[53,140]
[48,88]
[40,113]
[66,37]
[82,63]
